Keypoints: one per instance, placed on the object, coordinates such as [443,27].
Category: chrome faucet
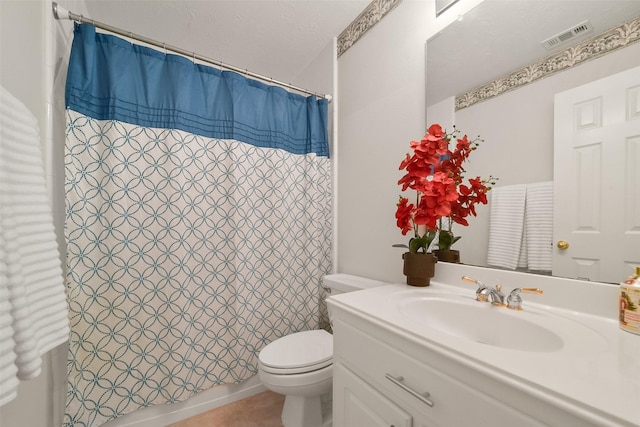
[495,296]
[481,292]
[514,301]
[484,292]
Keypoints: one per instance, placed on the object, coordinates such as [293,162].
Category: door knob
[563,245]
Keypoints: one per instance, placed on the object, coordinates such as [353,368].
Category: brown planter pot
[451,255]
[419,268]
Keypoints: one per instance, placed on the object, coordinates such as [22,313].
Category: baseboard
[163,415]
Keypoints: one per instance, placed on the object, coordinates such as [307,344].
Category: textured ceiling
[501,36]
[275,38]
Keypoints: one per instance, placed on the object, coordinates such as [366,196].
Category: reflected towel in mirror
[506,225]
[538,225]
[521,227]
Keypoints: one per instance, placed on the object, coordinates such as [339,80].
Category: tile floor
[261,410]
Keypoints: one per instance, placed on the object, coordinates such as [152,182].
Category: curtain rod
[60,12]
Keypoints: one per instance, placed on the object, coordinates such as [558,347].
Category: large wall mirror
[497,38]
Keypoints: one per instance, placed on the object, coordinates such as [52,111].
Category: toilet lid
[299,350]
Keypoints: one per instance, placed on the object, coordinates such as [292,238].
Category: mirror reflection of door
[597,147]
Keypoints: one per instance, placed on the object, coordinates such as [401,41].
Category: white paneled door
[597,179]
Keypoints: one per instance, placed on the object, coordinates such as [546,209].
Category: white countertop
[597,371]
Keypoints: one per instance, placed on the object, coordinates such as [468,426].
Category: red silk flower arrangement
[436,173]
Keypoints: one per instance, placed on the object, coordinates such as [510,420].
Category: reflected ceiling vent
[564,37]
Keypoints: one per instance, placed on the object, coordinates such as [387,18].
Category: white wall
[382,108]
[22,53]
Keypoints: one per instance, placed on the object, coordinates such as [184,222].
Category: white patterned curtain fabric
[187,252]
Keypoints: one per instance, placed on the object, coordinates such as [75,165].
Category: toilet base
[301,411]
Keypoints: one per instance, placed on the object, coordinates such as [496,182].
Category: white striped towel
[506,225]
[538,223]
[33,308]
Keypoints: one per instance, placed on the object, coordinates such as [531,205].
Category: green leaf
[400,245]
[415,245]
[446,240]
[421,243]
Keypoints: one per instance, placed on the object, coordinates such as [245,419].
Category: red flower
[436,173]
[403,215]
[435,132]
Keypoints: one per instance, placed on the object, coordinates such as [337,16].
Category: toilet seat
[297,353]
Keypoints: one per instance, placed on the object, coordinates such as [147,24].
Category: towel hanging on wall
[33,308]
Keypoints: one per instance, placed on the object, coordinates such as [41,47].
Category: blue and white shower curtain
[198,222]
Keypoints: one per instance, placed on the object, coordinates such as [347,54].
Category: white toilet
[300,365]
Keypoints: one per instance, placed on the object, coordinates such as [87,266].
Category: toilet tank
[341,283]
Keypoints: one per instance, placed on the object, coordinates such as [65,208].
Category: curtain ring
[193,57]
[164,46]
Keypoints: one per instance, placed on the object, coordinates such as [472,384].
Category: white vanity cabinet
[379,383]
[384,377]
[362,405]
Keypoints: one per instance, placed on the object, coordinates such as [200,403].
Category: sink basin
[482,323]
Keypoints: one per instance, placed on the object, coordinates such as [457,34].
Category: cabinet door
[357,404]
[456,403]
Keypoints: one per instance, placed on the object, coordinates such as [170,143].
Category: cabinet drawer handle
[420,396]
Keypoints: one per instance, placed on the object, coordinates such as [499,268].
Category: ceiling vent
[564,37]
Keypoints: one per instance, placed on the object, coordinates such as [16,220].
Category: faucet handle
[514,300]
[471,280]
[481,292]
